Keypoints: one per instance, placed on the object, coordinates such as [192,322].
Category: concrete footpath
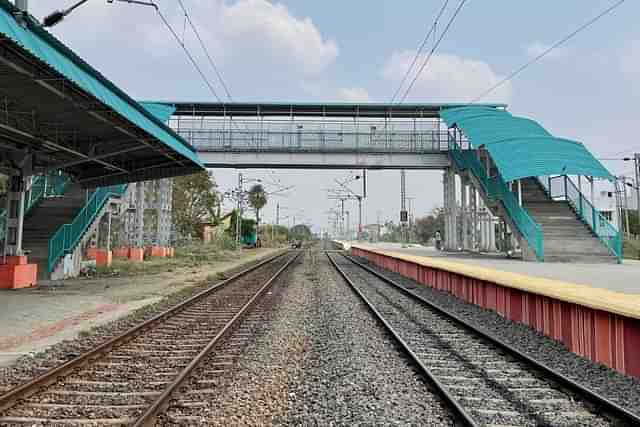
[623,278]
[31,320]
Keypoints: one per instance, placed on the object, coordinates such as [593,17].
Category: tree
[300,232]
[257,199]
[426,227]
[194,202]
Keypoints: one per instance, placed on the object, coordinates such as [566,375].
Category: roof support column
[15,216]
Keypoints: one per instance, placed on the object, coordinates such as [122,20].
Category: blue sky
[587,90]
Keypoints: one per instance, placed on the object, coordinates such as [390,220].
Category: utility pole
[342,218]
[359,235]
[239,210]
[348,226]
[403,202]
[626,204]
[636,159]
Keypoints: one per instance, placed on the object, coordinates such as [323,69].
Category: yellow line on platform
[588,296]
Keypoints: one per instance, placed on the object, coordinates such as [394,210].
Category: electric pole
[403,202]
[636,159]
[626,204]
[239,211]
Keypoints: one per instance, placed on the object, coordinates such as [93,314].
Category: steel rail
[148,419]
[609,406]
[462,414]
[10,398]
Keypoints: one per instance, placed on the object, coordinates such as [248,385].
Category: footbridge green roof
[521,147]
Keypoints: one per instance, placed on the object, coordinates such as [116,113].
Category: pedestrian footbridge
[504,175]
[314,136]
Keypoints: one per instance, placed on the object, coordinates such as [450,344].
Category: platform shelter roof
[58,112]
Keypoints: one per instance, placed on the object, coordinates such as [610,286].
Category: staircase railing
[68,236]
[41,186]
[563,188]
[497,189]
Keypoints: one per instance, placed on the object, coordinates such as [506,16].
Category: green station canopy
[521,147]
[79,121]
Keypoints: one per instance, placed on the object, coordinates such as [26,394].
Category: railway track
[132,378]
[485,381]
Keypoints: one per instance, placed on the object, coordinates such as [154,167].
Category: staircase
[43,221]
[555,222]
[566,237]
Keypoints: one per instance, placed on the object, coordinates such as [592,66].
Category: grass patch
[191,256]
[631,249]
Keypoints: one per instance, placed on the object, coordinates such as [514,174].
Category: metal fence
[312,136]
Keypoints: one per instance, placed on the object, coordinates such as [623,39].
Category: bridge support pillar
[464,212]
[450,209]
[473,214]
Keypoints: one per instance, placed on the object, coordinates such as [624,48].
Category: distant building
[605,202]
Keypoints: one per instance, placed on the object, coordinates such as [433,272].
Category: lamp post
[57,16]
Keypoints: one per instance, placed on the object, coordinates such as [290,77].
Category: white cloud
[353,94]
[447,78]
[259,31]
[630,62]
[254,41]
[538,48]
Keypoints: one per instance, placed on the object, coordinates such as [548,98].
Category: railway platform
[593,309]
[35,319]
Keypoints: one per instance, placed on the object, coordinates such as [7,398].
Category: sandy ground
[33,319]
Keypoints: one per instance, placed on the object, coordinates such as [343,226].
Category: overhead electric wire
[433,49]
[548,50]
[420,49]
[206,51]
[186,51]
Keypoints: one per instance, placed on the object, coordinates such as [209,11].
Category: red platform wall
[604,337]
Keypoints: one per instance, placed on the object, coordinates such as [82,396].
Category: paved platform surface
[33,319]
[623,278]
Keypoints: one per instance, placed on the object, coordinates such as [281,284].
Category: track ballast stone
[619,388]
[319,359]
[352,372]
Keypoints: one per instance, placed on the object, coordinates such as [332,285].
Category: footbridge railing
[497,189]
[312,136]
[41,186]
[68,236]
[563,188]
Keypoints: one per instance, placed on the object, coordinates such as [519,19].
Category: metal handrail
[42,186]
[496,188]
[418,142]
[67,237]
[566,189]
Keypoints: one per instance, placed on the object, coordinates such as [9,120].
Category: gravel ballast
[621,389]
[320,359]
[32,365]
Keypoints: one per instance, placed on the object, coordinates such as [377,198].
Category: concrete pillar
[454,210]
[15,216]
[464,212]
[473,203]
[492,233]
[447,209]
[482,226]
[139,218]
[451,228]
[163,212]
